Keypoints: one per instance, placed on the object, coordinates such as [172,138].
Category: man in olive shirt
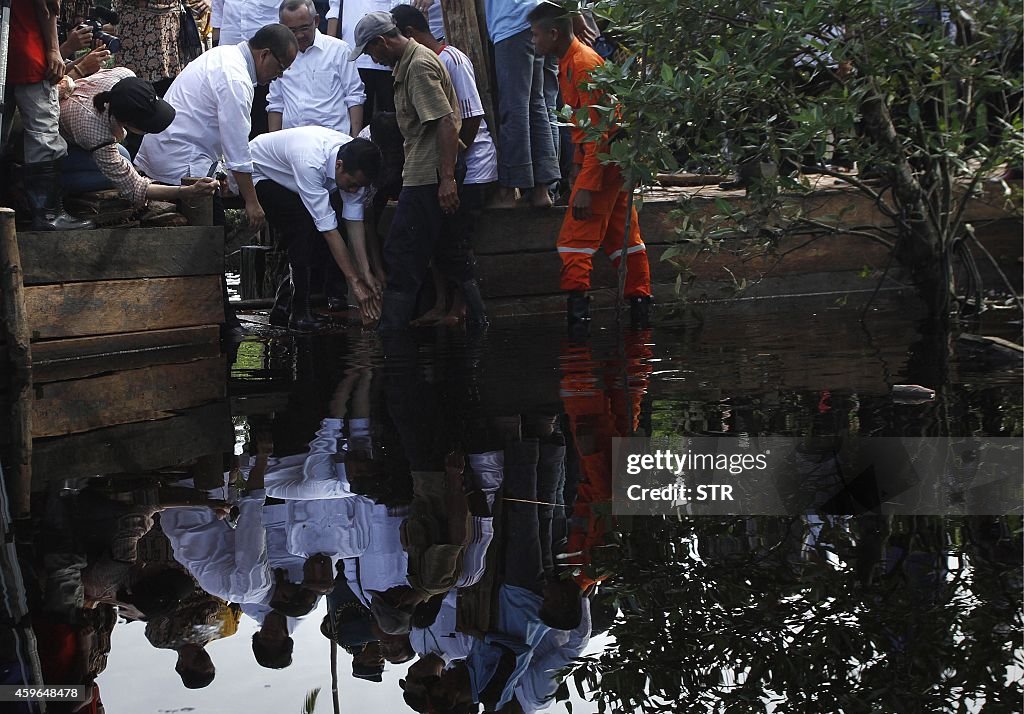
[427,109]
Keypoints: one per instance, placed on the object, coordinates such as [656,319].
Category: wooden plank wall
[125,329]
[518,266]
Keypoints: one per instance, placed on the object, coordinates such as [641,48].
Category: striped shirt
[423,94]
[99,133]
[481,157]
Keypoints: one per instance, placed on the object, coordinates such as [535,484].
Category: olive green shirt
[423,94]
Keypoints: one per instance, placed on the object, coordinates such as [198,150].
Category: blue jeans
[80,173]
[526,135]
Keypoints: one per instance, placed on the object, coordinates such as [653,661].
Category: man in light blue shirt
[527,91]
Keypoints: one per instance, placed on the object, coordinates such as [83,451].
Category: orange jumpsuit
[579,240]
[602,399]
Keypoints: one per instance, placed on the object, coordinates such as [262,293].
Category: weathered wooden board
[537,273]
[121,253]
[125,397]
[142,446]
[78,357]
[103,308]
[528,230]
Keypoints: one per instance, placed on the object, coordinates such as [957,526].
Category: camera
[98,17]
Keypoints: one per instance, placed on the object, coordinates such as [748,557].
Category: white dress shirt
[481,157]
[319,88]
[229,563]
[212,98]
[537,687]
[337,527]
[302,160]
[314,475]
[275,522]
[384,564]
[441,638]
[435,18]
[239,20]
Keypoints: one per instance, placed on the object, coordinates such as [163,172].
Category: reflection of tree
[854,615]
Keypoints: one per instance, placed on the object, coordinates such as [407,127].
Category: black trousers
[380,92]
[293,225]
[420,231]
[258,115]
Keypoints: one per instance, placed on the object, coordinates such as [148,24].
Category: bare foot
[431,317]
[456,314]
[540,198]
[504,197]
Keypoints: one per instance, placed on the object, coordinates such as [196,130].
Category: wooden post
[197,209]
[19,350]
[463,29]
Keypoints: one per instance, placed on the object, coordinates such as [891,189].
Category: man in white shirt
[235,21]
[321,88]
[212,98]
[296,171]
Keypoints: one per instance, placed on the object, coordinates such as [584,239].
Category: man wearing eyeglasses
[212,98]
[322,88]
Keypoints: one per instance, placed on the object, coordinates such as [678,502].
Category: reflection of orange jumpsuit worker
[602,400]
[602,227]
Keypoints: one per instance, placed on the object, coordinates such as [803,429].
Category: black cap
[134,102]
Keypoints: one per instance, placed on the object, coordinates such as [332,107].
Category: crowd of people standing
[294,121]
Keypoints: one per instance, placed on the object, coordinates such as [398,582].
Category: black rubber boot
[577,314]
[301,317]
[640,312]
[476,312]
[577,307]
[397,311]
[280,313]
[43,188]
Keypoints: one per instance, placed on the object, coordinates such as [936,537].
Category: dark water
[486,455]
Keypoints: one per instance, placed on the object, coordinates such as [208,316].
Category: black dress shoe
[337,304]
[306,323]
[279,316]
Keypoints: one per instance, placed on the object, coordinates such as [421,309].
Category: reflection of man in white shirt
[322,88]
[212,98]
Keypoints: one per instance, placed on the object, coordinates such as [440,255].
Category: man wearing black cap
[428,116]
[94,119]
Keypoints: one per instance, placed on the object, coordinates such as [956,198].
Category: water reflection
[430,515]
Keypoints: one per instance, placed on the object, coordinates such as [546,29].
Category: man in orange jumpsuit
[598,202]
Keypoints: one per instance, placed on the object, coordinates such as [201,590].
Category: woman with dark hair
[95,117]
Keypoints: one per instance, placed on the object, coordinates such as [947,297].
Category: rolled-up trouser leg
[408,248]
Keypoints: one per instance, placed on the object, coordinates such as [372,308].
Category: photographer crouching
[96,117]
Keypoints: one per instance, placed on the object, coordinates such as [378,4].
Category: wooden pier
[124,351]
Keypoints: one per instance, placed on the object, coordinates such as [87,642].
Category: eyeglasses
[303,29]
[281,65]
